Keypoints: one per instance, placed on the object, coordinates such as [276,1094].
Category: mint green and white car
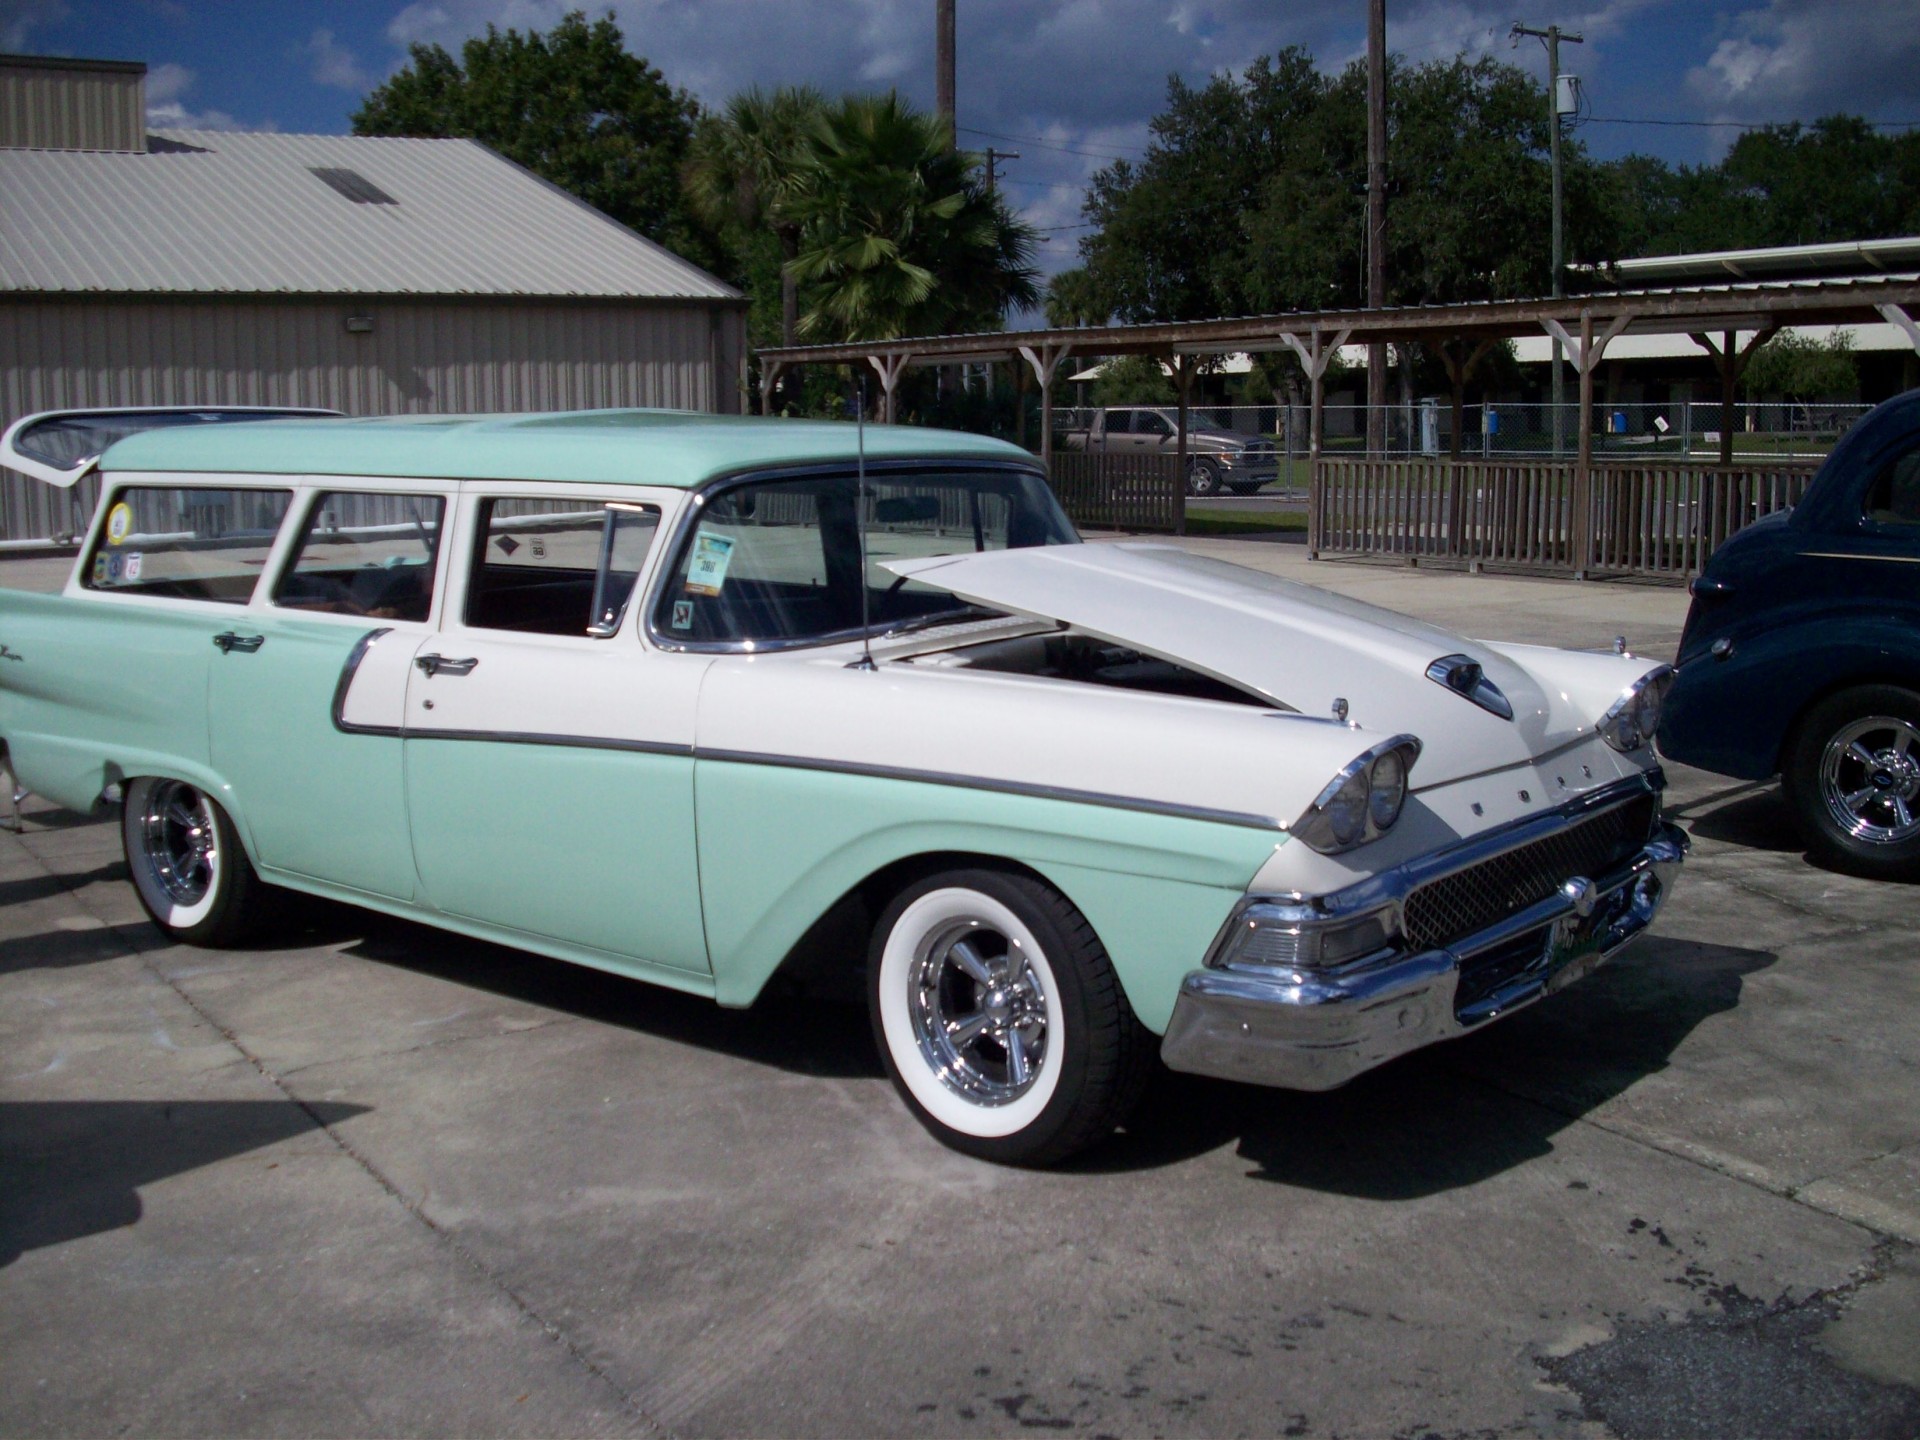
[699,700]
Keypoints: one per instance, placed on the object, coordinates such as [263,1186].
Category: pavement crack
[436,1044]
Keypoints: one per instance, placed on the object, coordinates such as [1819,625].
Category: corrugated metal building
[373,276]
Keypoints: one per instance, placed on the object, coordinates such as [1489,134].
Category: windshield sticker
[99,570]
[119,523]
[131,571]
[707,570]
[683,614]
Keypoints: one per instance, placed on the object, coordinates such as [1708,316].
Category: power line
[1088,150]
[1741,124]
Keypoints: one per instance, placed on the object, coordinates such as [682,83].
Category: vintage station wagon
[700,700]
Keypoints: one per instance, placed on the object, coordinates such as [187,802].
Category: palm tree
[898,235]
[743,169]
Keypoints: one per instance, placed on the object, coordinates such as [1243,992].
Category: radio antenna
[865,661]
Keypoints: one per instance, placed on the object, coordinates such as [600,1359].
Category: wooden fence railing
[1121,492]
[1661,520]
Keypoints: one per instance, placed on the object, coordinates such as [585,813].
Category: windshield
[777,562]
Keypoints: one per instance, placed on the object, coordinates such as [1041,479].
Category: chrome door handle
[227,642]
[441,665]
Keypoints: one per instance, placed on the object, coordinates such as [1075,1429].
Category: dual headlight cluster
[1363,800]
[1632,719]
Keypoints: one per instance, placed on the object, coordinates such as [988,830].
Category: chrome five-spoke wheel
[178,844]
[1851,772]
[979,1011]
[1000,1017]
[1870,779]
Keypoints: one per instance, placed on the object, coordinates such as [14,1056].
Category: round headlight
[1646,710]
[1346,812]
[1389,790]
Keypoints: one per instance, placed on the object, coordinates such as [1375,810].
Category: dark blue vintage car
[1801,655]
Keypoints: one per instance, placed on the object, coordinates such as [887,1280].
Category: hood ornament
[1463,675]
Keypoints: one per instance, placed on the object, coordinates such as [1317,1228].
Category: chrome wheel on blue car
[1852,775]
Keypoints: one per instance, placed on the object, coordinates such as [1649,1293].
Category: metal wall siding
[70,110]
[420,358]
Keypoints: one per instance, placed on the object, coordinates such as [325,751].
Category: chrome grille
[1466,902]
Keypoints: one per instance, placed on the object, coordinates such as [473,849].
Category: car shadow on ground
[1460,1112]
[804,1033]
[1442,1118]
[73,1168]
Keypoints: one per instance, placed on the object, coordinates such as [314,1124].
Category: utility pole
[1553,35]
[943,67]
[1376,218]
[993,157]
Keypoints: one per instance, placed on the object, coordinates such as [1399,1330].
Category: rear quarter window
[185,542]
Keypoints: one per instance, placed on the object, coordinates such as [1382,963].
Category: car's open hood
[1297,645]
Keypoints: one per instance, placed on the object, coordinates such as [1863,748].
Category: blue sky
[1069,84]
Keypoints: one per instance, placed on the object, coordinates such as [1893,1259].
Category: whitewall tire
[1000,1019]
[188,867]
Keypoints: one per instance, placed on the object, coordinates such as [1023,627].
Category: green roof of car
[633,447]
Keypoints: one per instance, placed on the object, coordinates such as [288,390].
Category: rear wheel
[188,866]
[1000,1018]
[1852,775]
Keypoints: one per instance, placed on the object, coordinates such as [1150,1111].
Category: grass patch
[1238,522]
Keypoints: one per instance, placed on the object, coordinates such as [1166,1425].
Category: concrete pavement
[376,1179]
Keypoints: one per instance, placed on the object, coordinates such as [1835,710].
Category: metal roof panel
[219,213]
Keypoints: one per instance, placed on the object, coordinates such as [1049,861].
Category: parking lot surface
[371,1178]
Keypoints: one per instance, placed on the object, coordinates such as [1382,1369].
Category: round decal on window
[119,523]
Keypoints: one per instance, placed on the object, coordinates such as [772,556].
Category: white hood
[1299,646]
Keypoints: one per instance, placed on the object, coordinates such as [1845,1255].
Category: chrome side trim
[345,683]
[534,737]
[1001,787]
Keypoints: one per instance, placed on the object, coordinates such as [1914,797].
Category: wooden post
[1732,359]
[1045,360]
[1183,385]
[1583,462]
[890,368]
[770,372]
[1315,356]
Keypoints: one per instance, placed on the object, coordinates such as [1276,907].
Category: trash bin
[1617,422]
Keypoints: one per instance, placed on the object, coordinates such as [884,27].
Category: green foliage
[572,105]
[1134,380]
[1793,367]
[742,178]
[1073,299]
[898,234]
[1251,198]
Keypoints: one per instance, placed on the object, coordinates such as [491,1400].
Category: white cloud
[20,18]
[1804,58]
[166,110]
[333,63]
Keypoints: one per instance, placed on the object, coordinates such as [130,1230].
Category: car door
[1156,432]
[549,770]
[352,594]
[167,573]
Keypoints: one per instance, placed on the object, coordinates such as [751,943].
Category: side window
[366,554]
[1894,498]
[185,542]
[1119,422]
[1148,423]
[536,564]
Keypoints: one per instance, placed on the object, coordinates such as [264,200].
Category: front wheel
[1203,477]
[188,866]
[1852,775]
[1000,1018]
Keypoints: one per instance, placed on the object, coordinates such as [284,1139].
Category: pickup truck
[1217,458]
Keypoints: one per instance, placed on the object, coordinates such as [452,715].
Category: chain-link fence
[1675,430]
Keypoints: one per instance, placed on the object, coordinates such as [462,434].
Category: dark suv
[1801,655]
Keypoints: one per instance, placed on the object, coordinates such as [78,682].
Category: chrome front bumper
[1305,1030]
